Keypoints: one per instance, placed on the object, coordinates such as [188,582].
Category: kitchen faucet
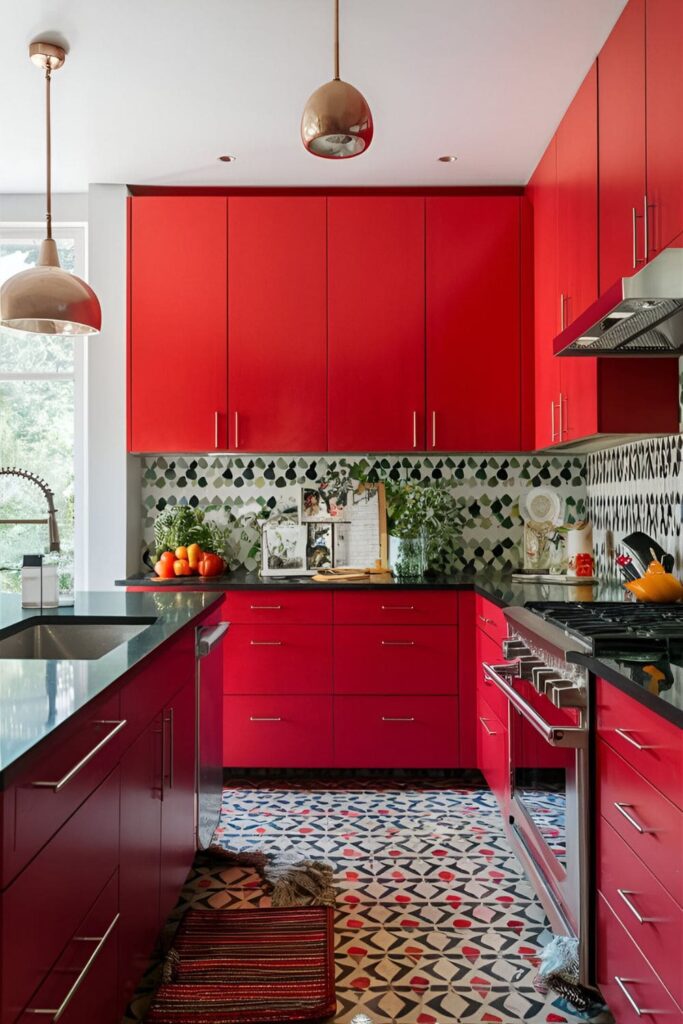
[53,531]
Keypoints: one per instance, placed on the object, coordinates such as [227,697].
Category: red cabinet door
[543,194]
[277,318]
[375,323]
[577,233]
[664,91]
[178,796]
[140,857]
[177,323]
[473,343]
[621,106]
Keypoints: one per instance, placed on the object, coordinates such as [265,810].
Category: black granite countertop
[666,698]
[36,697]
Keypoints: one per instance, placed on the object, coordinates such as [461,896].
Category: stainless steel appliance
[641,315]
[209,739]
[548,723]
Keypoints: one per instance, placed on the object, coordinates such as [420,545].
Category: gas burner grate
[612,622]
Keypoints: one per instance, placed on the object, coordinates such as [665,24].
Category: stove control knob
[513,648]
[566,694]
[541,676]
[528,664]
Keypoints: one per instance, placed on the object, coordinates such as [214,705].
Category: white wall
[110,502]
[67,207]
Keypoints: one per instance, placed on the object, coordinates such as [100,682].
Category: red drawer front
[655,831]
[396,732]
[399,607]
[650,916]
[488,651]
[96,996]
[625,978]
[275,606]
[396,659]
[39,811]
[277,659]
[277,732]
[650,744]
[492,751]
[490,618]
[42,908]
[153,685]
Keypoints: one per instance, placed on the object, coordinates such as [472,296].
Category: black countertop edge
[605,670]
[38,696]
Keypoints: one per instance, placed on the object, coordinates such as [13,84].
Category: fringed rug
[249,966]
[294,881]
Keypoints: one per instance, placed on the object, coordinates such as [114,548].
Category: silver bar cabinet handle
[265,643]
[552,422]
[562,400]
[215,429]
[624,733]
[631,820]
[59,1012]
[622,982]
[646,229]
[483,722]
[414,428]
[265,607]
[625,893]
[397,643]
[562,325]
[487,622]
[386,718]
[433,428]
[73,772]
[171,745]
[398,607]
[237,429]
[257,718]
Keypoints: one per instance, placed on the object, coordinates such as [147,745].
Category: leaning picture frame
[283,549]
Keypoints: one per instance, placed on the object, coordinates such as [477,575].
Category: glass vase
[408,556]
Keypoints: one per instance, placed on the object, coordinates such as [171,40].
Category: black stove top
[620,626]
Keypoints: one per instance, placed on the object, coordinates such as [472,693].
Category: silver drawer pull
[266,643]
[625,893]
[397,643]
[622,983]
[388,719]
[631,820]
[256,718]
[624,733]
[65,779]
[59,1012]
[487,622]
[265,607]
[483,722]
[398,607]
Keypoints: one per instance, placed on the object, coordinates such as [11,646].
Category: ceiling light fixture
[448,158]
[46,299]
[227,159]
[336,122]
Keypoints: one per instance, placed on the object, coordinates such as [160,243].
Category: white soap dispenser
[39,583]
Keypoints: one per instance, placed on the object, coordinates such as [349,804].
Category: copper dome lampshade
[46,299]
[337,122]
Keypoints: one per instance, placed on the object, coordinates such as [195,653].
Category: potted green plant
[424,521]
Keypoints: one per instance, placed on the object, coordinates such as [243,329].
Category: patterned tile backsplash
[488,487]
[638,486]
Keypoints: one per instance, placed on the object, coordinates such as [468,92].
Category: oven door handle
[569,736]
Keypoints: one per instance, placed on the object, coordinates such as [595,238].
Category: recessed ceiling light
[227,159]
[447,159]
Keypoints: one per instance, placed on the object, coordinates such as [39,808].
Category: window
[40,396]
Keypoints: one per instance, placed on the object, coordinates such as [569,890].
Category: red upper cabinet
[664,91]
[177,323]
[473,313]
[621,133]
[375,323]
[543,195]
[277,323]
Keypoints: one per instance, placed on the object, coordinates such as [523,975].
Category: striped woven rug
[249,966]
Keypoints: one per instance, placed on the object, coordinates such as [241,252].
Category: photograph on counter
[283,549]
[319,546]
[323,504]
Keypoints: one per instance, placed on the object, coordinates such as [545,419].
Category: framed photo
[319,546]
[283,549]
[323,504]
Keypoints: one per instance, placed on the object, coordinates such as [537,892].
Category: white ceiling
[154,90]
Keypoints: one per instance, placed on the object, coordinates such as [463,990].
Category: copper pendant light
[46,299]
[337,122]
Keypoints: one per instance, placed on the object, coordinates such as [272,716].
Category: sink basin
[71,641]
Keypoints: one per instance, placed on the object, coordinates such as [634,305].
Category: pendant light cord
[48,132]
[336,40]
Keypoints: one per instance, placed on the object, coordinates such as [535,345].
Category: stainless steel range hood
[640,315]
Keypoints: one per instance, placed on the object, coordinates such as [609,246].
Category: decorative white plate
[540,505]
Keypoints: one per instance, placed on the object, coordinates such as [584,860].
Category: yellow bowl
[660,587]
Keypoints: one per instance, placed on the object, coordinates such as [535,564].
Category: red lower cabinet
[292,731]
[628,983]
[492,752]
[277,659]
[395,732]
[396,659]
[178,793]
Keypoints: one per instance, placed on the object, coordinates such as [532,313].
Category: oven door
[549,799]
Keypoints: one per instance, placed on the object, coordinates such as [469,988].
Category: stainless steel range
[548,723]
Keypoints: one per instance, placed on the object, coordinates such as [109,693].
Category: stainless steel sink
[71,641]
